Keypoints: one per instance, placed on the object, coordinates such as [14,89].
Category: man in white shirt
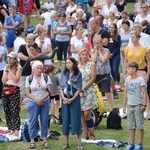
[144,39]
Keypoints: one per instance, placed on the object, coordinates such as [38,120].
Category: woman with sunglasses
[62,32]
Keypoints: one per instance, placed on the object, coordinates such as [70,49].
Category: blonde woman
[78,42]
[88,94]
[100,56]
[11,80]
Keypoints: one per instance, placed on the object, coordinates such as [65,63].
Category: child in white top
[112,18]
[49,5]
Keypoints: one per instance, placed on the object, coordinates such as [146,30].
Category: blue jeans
[62,49]
[34,111]
[85,8]
[114,65]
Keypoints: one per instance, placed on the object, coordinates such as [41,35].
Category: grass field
[101,132]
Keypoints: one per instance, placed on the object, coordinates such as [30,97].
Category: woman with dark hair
[70,88]
[121,6]
[114,47]
[11,98]
[62,31]
[20,39]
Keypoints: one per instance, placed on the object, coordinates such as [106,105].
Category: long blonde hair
[79,53]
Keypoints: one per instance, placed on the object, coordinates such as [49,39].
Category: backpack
[114,120]
[29,29]
[31,78]
[25,132]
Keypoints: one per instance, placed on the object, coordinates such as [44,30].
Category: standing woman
[38,93]
[121,6]
[78,42]
[100,56]
[89,98]
[25,9]
[70,88]
[63,32]
[43,43]
[11,80]
[114,47]
[20,39]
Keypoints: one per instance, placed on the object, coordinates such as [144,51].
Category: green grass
[101,131]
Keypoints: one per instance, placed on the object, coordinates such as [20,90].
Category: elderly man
[24,55]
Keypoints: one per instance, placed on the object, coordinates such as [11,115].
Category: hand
[65,100]
[147,77]
[124,110]
[111,56]
[70,100]
[7,67]
[11,15]
[82,95]
[142,108]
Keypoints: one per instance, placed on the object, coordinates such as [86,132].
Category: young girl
[54,91]
[112,18]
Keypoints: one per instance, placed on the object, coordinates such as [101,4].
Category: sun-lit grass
[101,132]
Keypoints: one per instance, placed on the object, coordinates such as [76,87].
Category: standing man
[24,55]
[12,22]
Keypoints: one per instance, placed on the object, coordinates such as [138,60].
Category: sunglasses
[143,7]
[62,16]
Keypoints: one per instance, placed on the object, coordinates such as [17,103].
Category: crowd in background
[93,44]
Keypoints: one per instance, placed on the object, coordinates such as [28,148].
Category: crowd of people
[93,45]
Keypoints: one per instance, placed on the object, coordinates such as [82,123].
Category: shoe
[46,144]
[66,146]
[138,147]
[130,147]
[115,94]
[80,147]
[58,71]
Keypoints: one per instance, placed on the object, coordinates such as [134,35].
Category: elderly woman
[89,99]
[38,91]
[70,88]
[11,93]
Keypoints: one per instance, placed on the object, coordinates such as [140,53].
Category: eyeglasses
[62,16]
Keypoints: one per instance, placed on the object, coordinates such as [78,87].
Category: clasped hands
[39,101]
[68,100]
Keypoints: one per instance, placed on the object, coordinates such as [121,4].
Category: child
[49,5]
[51,69]
[112,18]
[41,23]
[135,97]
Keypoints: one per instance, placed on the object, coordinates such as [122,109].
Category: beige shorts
[22,86]
[135,118]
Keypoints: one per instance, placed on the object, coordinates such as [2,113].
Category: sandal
[65,146]
[80,147]
[46,144]
[32,145]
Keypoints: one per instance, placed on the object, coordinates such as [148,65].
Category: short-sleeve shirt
[64,28]
[2,52]
[38,89]
[134,94]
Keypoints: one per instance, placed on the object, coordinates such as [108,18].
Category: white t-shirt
[49,6]
[38,89]
[77,45]
[138,18]
[2,52]
[44,47]
[48,17]
[71,9]
[18,42]
[106,10]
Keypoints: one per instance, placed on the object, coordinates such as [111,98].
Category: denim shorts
[135,118]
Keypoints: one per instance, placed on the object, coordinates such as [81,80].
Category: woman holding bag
[11,93]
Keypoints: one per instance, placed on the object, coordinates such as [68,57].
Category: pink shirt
[10,80]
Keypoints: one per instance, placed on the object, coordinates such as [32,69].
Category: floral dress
[89,101]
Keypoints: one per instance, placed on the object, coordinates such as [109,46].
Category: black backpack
[114,120]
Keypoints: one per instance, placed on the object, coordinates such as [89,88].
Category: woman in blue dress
[70,88]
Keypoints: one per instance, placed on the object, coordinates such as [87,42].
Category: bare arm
[22,57]
[144,93]
[94,55]
[93,76]
[125,100]
[48,50]
[104,57]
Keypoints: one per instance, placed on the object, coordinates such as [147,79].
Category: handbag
[9,90]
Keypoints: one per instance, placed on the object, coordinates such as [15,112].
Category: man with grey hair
[24,55]
[144,39]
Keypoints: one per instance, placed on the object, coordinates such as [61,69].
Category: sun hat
[13,55]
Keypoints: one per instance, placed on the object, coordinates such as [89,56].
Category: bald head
[30,38]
